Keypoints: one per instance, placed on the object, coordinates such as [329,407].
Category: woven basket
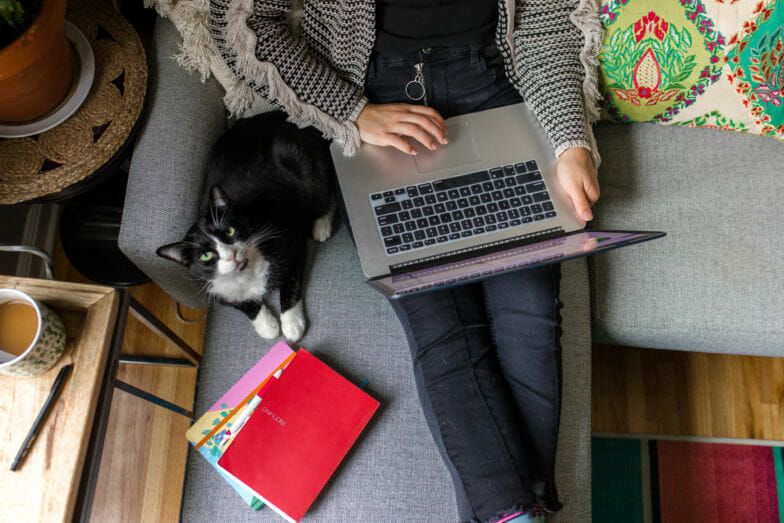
[47,163]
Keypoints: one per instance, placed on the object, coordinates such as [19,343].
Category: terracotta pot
[35,69]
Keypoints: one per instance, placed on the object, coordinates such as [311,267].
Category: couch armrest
[182,120]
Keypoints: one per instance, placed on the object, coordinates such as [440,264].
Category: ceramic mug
[32,337]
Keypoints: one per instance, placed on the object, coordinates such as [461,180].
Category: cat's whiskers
[224,222]
[220,219]
[265,233]
[193,244]
[203,285]
[204,288]
[213,216]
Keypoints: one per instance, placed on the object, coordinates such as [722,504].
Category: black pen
[28,442]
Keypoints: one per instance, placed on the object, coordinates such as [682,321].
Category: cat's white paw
[265,324]
[322,227]
[293,322]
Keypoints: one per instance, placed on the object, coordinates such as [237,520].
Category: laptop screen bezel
[640,237]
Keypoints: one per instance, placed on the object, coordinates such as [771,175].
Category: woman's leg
[465,399]
[467,403]
[524,312]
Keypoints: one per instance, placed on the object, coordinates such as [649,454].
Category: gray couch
[713,284]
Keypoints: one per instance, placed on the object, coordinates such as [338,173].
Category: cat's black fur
[271,184]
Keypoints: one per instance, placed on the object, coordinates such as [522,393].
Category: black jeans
[487,356]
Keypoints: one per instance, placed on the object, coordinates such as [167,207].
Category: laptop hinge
[485,248]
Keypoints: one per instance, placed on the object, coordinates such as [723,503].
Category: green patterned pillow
[700,63]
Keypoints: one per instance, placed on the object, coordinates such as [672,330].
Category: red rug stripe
[702,482]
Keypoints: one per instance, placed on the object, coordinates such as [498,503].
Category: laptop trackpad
[461,150]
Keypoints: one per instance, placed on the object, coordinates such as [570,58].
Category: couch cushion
[394,473]
[695,63]
[715,283]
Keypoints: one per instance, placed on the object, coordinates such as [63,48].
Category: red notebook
[298,435]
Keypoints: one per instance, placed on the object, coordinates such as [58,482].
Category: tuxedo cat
[269,188]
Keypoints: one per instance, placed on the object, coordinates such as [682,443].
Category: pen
[251,406]
[28,442]
[244,415]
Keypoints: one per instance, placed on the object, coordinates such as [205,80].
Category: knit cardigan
[316,71]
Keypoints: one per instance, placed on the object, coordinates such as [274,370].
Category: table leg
[130,389]
[84,498]
[157,326]
[155,360]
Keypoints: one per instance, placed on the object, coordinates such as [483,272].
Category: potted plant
[35,58]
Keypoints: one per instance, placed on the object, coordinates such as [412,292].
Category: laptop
[488,202]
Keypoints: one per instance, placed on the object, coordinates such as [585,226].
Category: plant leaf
[686,37]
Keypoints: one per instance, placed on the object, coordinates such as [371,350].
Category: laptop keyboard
[468,205]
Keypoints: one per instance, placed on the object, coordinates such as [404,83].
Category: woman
[486,355]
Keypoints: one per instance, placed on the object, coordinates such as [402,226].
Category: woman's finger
[398,142]
[431,114]
[581,204]
[421,115]
[417,133]
[592,191]
[426,124]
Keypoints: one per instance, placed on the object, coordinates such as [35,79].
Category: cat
[270,186]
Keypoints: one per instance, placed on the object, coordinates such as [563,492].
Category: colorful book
[212,435]
[297,437]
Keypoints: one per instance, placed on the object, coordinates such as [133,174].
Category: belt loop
[474,54]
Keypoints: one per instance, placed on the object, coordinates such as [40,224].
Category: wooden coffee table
[57,478]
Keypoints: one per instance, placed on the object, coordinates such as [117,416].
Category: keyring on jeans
[421,87]
[419,79]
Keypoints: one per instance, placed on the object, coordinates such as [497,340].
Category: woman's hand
[388,124]
[578,177]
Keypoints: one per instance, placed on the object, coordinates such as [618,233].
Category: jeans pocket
[490,61]
[386,81]
[370,74]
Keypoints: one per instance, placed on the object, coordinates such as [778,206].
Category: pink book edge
[263,368]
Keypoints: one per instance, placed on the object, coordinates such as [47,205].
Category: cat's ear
[218,198]
[174,252]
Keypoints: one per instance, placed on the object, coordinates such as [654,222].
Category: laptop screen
[573,245]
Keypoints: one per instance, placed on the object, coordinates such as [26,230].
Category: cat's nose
[240,261]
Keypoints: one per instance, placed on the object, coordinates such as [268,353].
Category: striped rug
[650,481]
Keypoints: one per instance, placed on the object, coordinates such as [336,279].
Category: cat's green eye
[206,256]
[230,232]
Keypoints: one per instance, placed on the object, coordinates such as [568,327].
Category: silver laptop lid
[477,142]
[553,250]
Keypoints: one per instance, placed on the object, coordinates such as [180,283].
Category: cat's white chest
[246,285]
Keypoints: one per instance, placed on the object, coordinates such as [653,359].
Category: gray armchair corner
[182,119]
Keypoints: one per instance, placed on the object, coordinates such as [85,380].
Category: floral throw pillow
[699,63]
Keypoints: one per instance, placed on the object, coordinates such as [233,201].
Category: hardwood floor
[634,391]
[687,393]
[143,462]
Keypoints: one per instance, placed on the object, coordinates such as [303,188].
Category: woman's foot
[536,515]
[519,517]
